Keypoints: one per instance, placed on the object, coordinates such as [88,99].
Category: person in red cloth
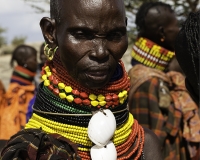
[84,94]
[14,103]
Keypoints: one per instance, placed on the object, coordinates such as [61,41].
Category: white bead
[102,127]
[104,153]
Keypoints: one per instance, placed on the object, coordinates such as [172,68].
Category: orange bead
[83,95]
[75,92]
[56,91]
[116,103]
[55,81]
[77,100]
[110,103]
[115,97]
[51,78]
[86,102]
[50,87]
[108,98]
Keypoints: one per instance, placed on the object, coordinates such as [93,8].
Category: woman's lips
[97,75]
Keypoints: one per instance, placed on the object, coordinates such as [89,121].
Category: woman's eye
[83,35]
[115,36]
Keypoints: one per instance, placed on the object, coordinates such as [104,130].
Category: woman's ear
[48,27]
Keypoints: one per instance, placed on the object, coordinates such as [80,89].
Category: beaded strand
[75,133]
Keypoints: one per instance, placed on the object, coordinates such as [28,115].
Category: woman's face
[171,31]
[91,39]
[31,62]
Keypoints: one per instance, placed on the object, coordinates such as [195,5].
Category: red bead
[51,78]
[50,87]
[116,103]
[108,98]
[75,92]
[55,81]
[86,102]
[110,103]
[77,100]
[53,70]
[56,91]
[83,95]
[115,97]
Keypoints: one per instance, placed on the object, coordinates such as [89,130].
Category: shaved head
[56,6]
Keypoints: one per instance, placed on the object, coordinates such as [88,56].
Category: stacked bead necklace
[63,106]
[151,54]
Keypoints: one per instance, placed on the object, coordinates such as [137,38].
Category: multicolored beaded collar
[151,54]
[114,94]
[129,136]
[22,76]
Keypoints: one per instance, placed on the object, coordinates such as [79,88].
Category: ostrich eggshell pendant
[102,127]
[104,153]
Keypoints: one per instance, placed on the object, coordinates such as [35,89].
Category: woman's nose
[100,51]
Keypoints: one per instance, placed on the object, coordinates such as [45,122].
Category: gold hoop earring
[49,52]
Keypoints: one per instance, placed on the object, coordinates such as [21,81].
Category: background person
[14,105]
[187,51]
[159,99]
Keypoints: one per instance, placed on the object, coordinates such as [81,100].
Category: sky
[19,19]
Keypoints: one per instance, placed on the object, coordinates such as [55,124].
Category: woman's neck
[22,76]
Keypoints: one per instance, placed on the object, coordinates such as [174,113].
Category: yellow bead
[125,97]
[121,101]
[70,98]
[46,82]
[44,77]
[47,69]
[92,97]
[61,85]
[94,103]
[102,103]
[68,89]
[101,97]
[62,95]
[120,95]
[124,93]
[48,74]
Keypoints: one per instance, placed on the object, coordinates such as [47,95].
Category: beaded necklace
[22,76]
[61,84]
[123,138]
[128,137]
[151,54]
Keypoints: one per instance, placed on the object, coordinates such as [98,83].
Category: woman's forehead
[92,15]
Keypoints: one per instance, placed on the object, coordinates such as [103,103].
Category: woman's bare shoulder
[152,146]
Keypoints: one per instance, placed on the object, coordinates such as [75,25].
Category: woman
[14,103]
[84,94]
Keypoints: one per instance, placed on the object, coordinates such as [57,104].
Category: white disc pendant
[102,127]
[104,153]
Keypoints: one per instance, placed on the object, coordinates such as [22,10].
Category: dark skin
[27,58]
[92,39]
[161,23]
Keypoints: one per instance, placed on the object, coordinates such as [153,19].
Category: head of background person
[90,35]
[25,56]
[187,50]
[157,22]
